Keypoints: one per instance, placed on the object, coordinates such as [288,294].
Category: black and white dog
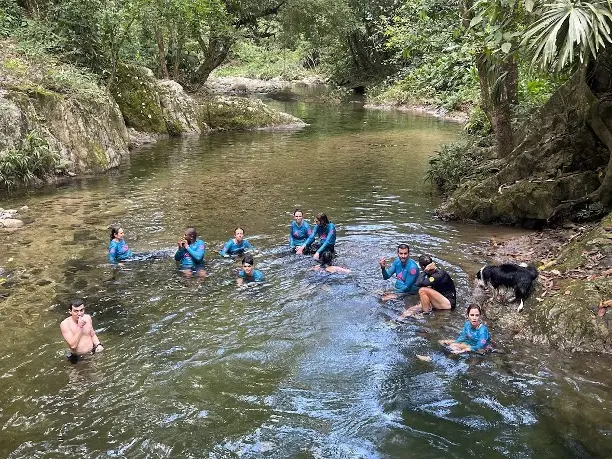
[511,276]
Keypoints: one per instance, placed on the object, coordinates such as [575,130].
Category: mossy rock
[598,240]
[138,99]
[235,113]
[568,320]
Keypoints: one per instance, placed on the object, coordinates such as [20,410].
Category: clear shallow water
[303,366]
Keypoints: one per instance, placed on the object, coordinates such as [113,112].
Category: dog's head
[480,278]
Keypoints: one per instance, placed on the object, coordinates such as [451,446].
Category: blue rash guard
[256,276]
[118,251]
[231,248]
[406,275]
[477,338]
[299,234]
[327,234]
[191,257]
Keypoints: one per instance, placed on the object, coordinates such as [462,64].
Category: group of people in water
[434,286]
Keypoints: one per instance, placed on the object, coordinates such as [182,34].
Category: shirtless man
[79,333]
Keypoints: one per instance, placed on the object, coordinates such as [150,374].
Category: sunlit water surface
[305,365]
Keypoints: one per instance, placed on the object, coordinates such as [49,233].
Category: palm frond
[568,29]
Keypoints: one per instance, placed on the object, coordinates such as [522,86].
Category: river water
[304,366]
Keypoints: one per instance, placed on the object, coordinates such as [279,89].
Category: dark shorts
[452,299]
[74,358]
[316,246]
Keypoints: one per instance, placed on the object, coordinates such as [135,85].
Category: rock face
[554,162]
[562,312]
[89,134]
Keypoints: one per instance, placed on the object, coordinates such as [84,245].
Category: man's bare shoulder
[65,323]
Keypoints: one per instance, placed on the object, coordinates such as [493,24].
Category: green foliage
[452,164]
[266,61]
[10,17]
[32,161]
[568,27]
[478,125]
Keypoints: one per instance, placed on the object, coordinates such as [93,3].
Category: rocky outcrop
[237,113]
[556,161]
[89,135]
[575,278]
[11,219]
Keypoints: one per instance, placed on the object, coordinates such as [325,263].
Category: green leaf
[506,47]
[476,20]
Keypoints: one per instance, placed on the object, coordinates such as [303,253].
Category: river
[304,366]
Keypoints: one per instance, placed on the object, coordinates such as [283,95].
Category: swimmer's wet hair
[76,303]
[248,260]
[424,260]
[473,306]
[403,246]
[113,231]
[239,228]
[323,220]
[297,209]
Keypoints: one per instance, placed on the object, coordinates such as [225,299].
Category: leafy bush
[478,124]
[32,161]
[10,17]
[266,62]
[453,163]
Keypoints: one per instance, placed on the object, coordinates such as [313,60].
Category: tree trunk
[496,95]
[216,51]
[161,53]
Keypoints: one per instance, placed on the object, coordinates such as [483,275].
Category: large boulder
[555,162]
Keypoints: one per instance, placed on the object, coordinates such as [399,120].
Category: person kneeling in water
[474,336]
[78,332]
[326,259]
[190,254]
[248,273]
[436,289]
[118,250]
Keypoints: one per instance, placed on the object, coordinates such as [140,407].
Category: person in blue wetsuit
[248,273]
[326,232]
[436,289]
[118,250]
[299,231]
[406,272]
[190,254]
[475,335]
[236,245]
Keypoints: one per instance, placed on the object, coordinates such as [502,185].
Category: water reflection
[306,365]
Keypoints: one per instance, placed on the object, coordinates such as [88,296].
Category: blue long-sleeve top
[477,338]
[406,275]
[327,234]
[192,256]
[299,234]
[231,248]
[118,251]
[256,276]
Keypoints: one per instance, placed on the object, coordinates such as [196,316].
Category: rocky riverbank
[56,120]
[569,308]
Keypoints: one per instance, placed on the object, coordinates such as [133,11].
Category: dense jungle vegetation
[499,60]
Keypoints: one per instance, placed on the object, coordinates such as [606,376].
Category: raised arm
[197,252]
[72,339]
[386,273]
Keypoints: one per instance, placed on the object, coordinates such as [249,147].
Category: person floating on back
[236,245]
[475,335]
[248,273]
[406,272]
[118,250]
[78,332]
[299,230]
[190,254]
[326,232]
[326,260]
[436,289]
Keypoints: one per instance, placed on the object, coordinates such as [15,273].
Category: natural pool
[303,366]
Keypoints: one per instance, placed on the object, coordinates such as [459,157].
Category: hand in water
[299,250]
[316,256]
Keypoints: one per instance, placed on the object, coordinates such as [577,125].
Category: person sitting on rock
[436,289]
[406,271]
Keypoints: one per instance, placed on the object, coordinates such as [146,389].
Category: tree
[566,30]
